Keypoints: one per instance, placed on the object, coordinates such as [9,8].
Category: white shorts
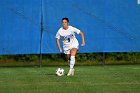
[67,48]
[67,51]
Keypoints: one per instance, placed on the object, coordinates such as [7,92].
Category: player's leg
[67,52]
[68,58]
[72,58]
[72,61]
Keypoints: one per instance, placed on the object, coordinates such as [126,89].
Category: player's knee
[73,52]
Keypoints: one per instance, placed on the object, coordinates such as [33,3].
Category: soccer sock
[69,62]
[72,62]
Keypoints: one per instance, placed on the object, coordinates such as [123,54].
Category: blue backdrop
[109,25]
[20,26]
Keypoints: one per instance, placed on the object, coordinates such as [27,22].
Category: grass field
[88,79]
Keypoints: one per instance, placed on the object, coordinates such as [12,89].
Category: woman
[70,43]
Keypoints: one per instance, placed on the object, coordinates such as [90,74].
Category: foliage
[85,58]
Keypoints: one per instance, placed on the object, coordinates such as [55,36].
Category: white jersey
[68,37]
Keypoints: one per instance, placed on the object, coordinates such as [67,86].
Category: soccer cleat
[71,72]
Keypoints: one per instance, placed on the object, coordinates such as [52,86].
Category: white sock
[72,62]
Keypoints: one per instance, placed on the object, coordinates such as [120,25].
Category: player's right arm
[58,41]
[58,45]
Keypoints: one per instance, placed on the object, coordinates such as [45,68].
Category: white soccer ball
[60,72]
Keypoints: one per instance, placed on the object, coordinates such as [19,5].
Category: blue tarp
[109,25]
[20,26]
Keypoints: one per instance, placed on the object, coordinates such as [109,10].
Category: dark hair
[65,18]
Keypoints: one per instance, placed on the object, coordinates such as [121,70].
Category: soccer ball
[60,72]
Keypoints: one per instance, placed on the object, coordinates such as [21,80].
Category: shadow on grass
[51,74]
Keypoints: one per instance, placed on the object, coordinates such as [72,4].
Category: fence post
[103,58]
[41,31]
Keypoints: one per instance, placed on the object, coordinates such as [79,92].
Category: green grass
[87,79]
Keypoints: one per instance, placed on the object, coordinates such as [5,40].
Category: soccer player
[70,43]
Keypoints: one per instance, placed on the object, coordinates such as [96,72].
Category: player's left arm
[83,38]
